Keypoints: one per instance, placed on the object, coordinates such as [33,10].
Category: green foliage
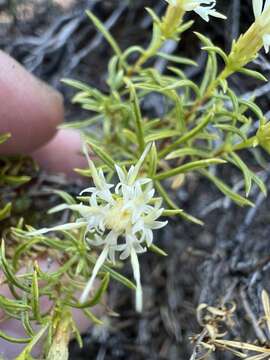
[12,170]
[60,284]
[202,125]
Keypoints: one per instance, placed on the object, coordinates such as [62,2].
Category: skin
[31,111]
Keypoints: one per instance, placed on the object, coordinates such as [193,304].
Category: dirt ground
[227,260]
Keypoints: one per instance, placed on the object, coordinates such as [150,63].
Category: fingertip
[62,154]
[31,110]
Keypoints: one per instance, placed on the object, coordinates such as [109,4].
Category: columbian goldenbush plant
[140,162]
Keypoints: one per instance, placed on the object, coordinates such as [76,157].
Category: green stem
[162,31]
[27,350]
[209,92]
[225,149]
[249,143]
[61,337]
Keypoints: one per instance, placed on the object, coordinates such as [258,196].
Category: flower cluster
[204,8]
[262,16]
[119,222]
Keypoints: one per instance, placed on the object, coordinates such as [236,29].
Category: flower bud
[263,136]
[246,48]
[177,8]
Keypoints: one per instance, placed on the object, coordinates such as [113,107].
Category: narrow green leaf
[189,135]
[6,268]
[11,304]
[65,196]
[130,135]
[76,332]
[153,161]
[155,249]
[259,182]
[188,152]
[104,32]
[191,166]
[101,153]
[226,190]
[27,324]
[92,317]
[137,114]
[232,129]
[5,212]
[131,50]
[23,247]
[253,107]
[162,134]
[183,83]
[217,50]
[4,137]
[153,15]
[96,298]
[25,354]
[81,124]
[255,74]
[224,85]
[191,218]
[177,71]
[245,170]
[155,43]
[234,100]
[14,340]
[120,278]
[171,212]
[177,59]
[79,85]
[14,180]
[35,297]
[210,73]
[163,193]
[149,125]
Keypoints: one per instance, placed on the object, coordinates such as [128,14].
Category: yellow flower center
[119,219]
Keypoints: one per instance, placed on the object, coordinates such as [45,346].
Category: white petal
[111,254]
[158,224]
[138,226]
[139,248]
[193,4]
[203,13]
[266,42]
[148,237]
[266,5]
[59,208]
[84,210]
[121,174]
[69,226]
[257,7]
[137,276]
[217,14]
[138,166]
[91,189]
[126,253]
[100,261]
[94,173]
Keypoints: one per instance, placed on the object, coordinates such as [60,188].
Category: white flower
[262,16]
[204,8]
[120,222]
